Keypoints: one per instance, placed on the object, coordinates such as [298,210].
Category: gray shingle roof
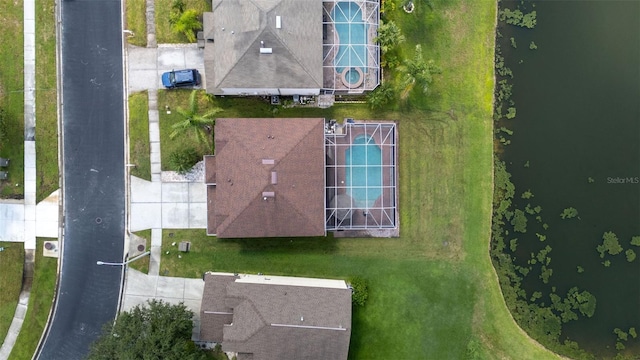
[281,321]
[238,27]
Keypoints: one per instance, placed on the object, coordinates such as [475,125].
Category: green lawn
[142,264]
[12,96]
[433,292]
[136,21]
[163,28]
[40,301]
[139,135]
[175,99]
[11,264]
[46,100]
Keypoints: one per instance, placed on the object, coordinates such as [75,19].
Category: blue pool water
[353,35]
[352,76]
[364,171]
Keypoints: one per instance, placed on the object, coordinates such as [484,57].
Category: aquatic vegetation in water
[610,244]
[533,46]
[580,269]
[527,194]
[631,255]
[518,18]
[569,213]
[519,221]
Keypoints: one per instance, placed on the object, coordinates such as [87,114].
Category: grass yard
[139,147]
[177,99]
[433,292]
[46,101]
[40,301]
[164,34]
[136,21]
[12,96]
[11,264]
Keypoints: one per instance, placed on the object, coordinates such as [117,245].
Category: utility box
[184,246]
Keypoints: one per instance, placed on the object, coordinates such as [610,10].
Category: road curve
[94,176]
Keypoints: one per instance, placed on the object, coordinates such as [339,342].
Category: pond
[576,143]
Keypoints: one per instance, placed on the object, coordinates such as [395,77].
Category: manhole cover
[98,220]
[140,247]
[48,246]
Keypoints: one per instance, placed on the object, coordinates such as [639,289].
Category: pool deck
[384,212]
[333,79]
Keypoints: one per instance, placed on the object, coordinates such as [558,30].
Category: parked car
[181,78]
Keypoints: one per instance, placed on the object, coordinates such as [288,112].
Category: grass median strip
[11,264]
[137,22]
[139,146]
[46,100]
[12,96]
[40,301]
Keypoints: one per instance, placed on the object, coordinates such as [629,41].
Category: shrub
[359,290]
[183,160]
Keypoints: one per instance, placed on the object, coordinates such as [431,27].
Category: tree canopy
[156,330]
[416,71]
[193,120]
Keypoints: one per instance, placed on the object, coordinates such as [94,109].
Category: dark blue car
[180,78]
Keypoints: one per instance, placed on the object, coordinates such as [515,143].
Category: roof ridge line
[302,139]
[233,219]
[246,50]
[295,57]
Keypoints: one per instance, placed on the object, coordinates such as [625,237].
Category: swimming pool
[351,29]
[364,171]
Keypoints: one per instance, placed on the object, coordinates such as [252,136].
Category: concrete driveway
[146,65]
[141,288]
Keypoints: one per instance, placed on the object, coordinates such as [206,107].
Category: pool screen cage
[351,61]
[360,192]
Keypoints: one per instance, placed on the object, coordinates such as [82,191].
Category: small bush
[183,160]
[359,290]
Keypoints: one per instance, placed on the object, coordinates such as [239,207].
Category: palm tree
[201,124]
[416,71]
[186,23]
[389,36]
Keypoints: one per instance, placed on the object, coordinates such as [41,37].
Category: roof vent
[278,22]
[264,50]
[274,177]
[268,194]
[268,162]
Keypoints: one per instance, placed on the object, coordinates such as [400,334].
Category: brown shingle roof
[269,178]
[281,321]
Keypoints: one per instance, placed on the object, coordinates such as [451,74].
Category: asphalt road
[94,182]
